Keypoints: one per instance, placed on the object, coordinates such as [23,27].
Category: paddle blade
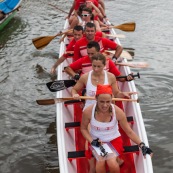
[53,101]
[124,54]
[134,64]
[116,35]
[128,27]
[60,85]
[41,42]
[46,102]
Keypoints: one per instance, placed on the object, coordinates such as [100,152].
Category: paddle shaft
[133,75]
[128,27]
[60,100]
[43,41]
[58,8]
[133,64]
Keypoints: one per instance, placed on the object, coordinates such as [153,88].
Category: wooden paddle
[133,64]
[60,100]
[124,54]
[63,84]
[128,27]
[43,41]
[116,35]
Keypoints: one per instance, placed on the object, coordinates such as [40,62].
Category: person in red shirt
[78,34]
[81,45]
[77,3]
[84,64]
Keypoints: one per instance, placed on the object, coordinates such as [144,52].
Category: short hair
[93,44]
[90,25]
[99,56]
[78,28]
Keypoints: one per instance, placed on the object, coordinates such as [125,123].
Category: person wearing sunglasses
[87,16]
[77,3]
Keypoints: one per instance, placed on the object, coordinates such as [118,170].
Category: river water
[28,135]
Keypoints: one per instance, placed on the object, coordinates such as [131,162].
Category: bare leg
[120,161]
[113,165]
[100,167]
[92,168]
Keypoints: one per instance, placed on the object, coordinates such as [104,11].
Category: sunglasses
[85,15]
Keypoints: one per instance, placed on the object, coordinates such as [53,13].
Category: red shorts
[117,143]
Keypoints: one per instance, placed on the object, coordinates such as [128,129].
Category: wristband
[142,143]
[76,76]
[114,58]
[95,142]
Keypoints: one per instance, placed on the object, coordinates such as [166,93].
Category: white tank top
[105,131]
[91,89]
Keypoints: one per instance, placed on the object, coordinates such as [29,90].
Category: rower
[103,118]
[78,34]
[90,30]
[85,16]
[84,64]
[97,5]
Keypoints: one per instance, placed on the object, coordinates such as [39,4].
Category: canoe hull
[72,140]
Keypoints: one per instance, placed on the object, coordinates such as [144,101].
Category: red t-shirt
[84,64]
[80,49]
[70,47]
[78,3]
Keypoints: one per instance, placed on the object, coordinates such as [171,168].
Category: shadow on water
[15,24]
[53,167]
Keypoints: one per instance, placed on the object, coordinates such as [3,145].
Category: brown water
[28,134]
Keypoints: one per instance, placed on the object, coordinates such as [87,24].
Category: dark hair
[90,25]
[94,44]
[99,56]
[89,11]
[78,28]
[79,11]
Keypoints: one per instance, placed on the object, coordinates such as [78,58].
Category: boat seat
[73,125]
[81,154]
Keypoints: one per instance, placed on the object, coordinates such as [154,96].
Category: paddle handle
[62,33]
[133,75]
[58,8]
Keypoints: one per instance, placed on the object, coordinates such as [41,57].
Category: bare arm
[121,117]
[69,71]
[78,86]
[97,25]
[86,117]
[58,62]
[71,9]
[118,51]
[113,83]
